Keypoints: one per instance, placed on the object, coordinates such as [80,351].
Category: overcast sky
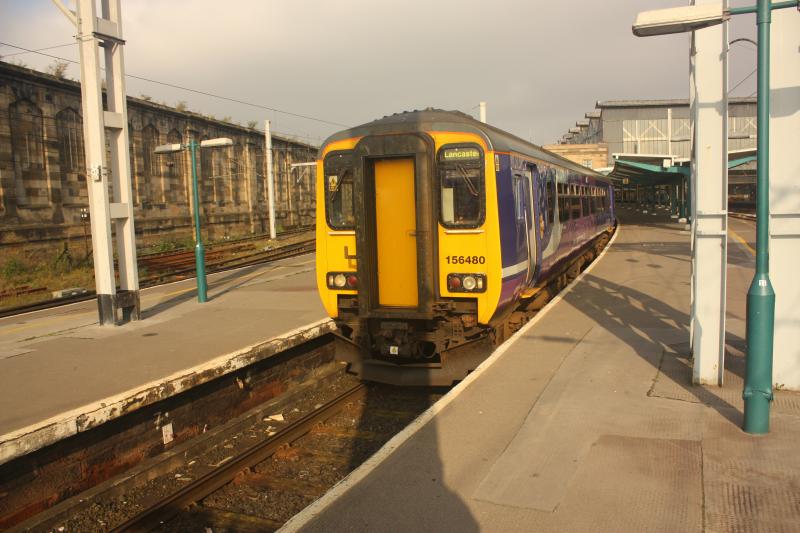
[540,65]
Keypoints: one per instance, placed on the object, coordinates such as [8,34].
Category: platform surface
[61,372]
[589,421]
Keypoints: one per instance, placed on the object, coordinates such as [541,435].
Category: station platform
[61,373]
[587,419]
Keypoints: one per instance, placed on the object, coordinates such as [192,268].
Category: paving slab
[62,373]
[588,421]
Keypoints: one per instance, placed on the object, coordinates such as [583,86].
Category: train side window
[575,207]
[461,186]
[339,191]
[519,197]
[551,194]
[563,209]
[585,203]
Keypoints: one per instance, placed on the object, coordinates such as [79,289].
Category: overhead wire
[37,50]
[196,91]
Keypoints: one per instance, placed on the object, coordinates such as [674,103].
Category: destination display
[461,154]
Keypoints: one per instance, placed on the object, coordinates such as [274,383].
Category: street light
[757,392]
[678,19]
[199,250]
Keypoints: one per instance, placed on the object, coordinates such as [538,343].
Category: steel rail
[281,252]
[168,507]
[231,242]
[241,261]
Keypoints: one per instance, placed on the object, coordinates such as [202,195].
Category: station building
[659,128]
[43,193]
[656,127]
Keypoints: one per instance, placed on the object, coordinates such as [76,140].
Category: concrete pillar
[99,124]
[784,242]
[709,186]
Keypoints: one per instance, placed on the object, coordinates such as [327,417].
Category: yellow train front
[426,240]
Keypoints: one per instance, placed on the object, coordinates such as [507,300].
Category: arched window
[279,162]
[71,157]
[259,165]
[221,174]
[174,162]
[238,174]
[151,171]
[206,174]
[27,145]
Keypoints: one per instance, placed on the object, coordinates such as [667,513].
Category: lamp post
[757,392]
[199,249]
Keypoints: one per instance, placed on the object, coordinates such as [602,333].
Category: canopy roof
[656,169]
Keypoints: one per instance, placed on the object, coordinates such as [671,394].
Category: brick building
[43,176]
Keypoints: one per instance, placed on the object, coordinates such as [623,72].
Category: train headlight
[466,282]
[342,280]
[469,283]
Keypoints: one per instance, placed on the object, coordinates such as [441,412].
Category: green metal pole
[685,198]
[673,203]
[688,200]
[761,296]
[199,250]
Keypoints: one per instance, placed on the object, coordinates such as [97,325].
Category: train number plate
[465,259]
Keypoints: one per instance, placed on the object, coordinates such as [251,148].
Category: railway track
[236,486]
[167,508]
[176,266]
[255,472]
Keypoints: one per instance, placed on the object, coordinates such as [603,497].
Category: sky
[539,65]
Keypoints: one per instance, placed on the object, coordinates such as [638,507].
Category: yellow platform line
[742,242]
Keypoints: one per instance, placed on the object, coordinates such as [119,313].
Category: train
[436,234]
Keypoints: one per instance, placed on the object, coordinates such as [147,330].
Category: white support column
[708,103]
[784,242]
[116,123]
[482,112]
[270,180]
[94,32]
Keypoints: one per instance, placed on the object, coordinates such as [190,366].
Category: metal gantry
[94,33]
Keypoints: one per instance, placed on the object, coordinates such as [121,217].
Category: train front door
[396,231]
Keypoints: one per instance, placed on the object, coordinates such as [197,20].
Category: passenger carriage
[433,228]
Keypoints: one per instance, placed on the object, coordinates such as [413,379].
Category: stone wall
[43,178]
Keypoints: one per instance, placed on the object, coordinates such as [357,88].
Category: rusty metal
[164,510]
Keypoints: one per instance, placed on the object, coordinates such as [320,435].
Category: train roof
[456,121]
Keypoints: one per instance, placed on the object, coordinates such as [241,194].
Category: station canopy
[654,169]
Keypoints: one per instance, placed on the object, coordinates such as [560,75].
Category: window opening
[462,187]
[339,191]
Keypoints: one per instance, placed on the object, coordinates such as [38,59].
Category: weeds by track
[179,265]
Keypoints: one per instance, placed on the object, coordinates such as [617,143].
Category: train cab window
[339,196]
[461,186]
